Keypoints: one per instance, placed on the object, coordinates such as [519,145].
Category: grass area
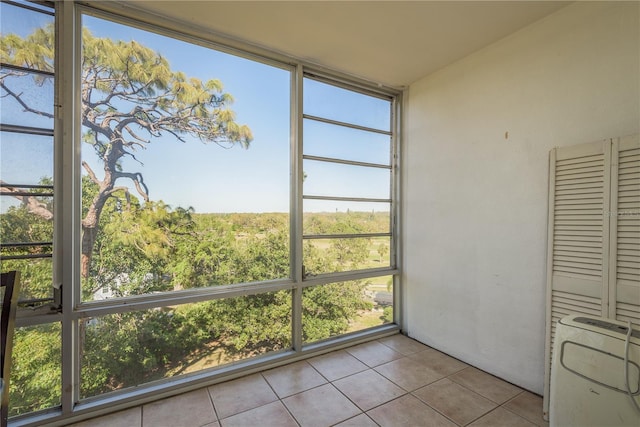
[366,319]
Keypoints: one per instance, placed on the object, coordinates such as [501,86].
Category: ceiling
[388,42]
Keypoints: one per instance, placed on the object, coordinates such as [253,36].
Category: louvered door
[579,196]
[593,256]
[624,276]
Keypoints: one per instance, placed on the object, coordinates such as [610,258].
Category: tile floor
[393,381]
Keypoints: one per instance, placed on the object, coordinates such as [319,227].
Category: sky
[210,178]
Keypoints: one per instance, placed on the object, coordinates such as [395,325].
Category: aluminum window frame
[67,229]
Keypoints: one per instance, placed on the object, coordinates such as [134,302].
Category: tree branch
[90,172]
[138,181]
[135,136]
[18,98]
[33,205]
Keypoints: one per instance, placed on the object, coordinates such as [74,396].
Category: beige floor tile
[408,411]
[294,378]
[239,395]
[185,410]
[500,417]
[439,362]
[486,385]
[361,420]
[403,344]
[529,406]
[270,415]
[368,389]
[454,401]
[373,353]
[409,374]
[127,418]
[216,424]
[321,406]
[337,365]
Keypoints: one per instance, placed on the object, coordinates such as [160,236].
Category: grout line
[514,397]
[213,405]
[519,415]
[286,408]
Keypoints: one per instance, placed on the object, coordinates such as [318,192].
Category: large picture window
[215,209]
[185,159]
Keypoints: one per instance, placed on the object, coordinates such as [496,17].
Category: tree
[21,224]
[383,249]
[129,95]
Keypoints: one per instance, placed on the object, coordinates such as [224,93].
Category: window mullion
[66,201]
[296,205]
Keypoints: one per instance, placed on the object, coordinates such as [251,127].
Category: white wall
[477,138]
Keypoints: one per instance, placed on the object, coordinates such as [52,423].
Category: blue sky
[206,176]
[213,179]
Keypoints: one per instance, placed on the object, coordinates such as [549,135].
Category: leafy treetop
[129,96]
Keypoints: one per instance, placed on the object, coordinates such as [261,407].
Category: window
[185,160]
[209,224]
[27,196]
[347,204]
[26,154]
[123,350]
[347,179]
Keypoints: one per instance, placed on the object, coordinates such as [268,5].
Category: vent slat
[585,159]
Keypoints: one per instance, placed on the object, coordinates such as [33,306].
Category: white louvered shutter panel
[577,257]
[624,277]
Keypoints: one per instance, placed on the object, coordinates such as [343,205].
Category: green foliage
[194,250]
[150,96]
[232,248]
[327,309]
[19,224]
[129,96]
[387,314]
[335,255]
[33,51]
[124,350]
[36,373]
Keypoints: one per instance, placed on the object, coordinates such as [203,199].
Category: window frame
[67,226]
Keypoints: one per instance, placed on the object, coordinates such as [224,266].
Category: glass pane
[35,274]
[130,349]
[28,224]
[30,102]
[343,307]
[24,23]
[26,159]
[339,142]
[329,217]
[331,102]
[36,376]
[207,180]
[29,221]
[339,180]
[336,255]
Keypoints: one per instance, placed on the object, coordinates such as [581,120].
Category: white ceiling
[388,42]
